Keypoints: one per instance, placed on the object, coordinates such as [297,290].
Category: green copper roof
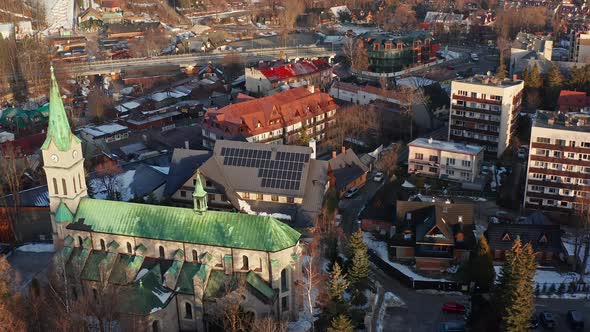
[96,261]
[58,130]
[216,228]
[113,245]
[189,271]
[125,269]
[218,284]
[68,240]
[260,285]
[63,214]
[174,271]
[147,295]
[77,261]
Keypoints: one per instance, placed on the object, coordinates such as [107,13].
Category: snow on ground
[550,276]
[570,249]
[37,247]
[122,185]
[392,300]
[381,249]
[303,323]
[244,206]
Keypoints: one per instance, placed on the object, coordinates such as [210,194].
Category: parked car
[452,326]
[453,308]
[575,320]
[378,177]
[474,57]
[450,68]
[351,192]
[547,320]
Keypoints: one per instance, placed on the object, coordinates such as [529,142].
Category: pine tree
[480,266]
[553,85]
[580,78]
[535,80]
[341,324]
[337,284]
[356,243]
[526,76]
[359,269]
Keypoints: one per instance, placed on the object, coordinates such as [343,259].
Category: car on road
[474,57]
[453,308]
[575,320]
[547,320]
[450,68]
[378,177]
[351,192]
[452,326]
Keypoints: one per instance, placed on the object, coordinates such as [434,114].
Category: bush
[552,288]
[561,288]
[572,287]
[544,290]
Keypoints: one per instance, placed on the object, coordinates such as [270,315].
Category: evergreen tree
[580,78]
[553,85]
[535,80]
[356,243]
[337,284]
[501,72]
[526,76]
[480,268]
[359,269]
[341,324]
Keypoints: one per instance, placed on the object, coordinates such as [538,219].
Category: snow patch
[392,300]
[141,273]
[37,247]
[162,296]
[244,206]
[155,310]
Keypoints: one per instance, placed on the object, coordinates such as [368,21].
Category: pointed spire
[58,131]
[199,195]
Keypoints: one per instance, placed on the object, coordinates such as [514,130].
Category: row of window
[562,142]
[260,197]
[559,179]
[560,154]
[469,134]
[550,202]
[480,126]
[64,185]
[561,167]
[481,106]
[559,191]
[478,95]
[473,115]
[449,161]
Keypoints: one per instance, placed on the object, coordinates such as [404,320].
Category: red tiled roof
[283,109]
[110,4]
[573,99]
[286,71]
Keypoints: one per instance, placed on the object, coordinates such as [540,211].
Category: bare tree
[98,102]
[13,169]
[11,313]
[233,65]
[291,10]
[227,310]
[108,178]
[354,122]
[410,98]
[387,162]
[356,53]
[582,237]
[268,324]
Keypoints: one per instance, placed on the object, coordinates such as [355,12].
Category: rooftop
[430,143]
[291,70]
[490,81]
[563,121]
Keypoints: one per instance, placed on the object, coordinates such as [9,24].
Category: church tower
[199,196]
[62,159]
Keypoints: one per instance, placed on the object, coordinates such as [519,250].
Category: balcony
[477,100]
[475,120]
[475,130]
[563,148]
[568,174]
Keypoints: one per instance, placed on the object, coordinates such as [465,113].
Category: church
[168,264]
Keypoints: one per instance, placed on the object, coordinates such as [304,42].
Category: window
[557,154]
[572,143]
[207,183]
[543,140]
[155,326]
[466,163]
[211,197]
[285,303]
[162,252]
[498,98]
[290,200]
[432,169]
[223,198]
[433,159]
[462,92]
[450,161]
[75,188]
[102,245]
[560,142]
[63,184]
[55,189]
[284,281]
[182,193]
[419,167]
[419,156]
[585,144]
[245,263]
[188,311]
[246,196]
[129,249]
[80,242]
[571,155]
[552,190]
[474,95]
[260,197]
[195,256]
[80,181]
[450,172]
[274,198]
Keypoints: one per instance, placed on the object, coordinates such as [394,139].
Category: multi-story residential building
[268,81]
[445,160]
[277,119]
[558,176]
[390,53]
[580,51]
[573,101]
[484,111]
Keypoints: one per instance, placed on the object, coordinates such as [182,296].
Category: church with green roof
[169,265]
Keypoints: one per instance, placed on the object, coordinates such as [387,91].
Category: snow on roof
[334,39]
[159,96]
[414,81]
[446,146]
[121,109]
[337,9]
[131,105]
[103,130]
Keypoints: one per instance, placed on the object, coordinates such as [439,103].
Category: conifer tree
[553,86]
[480,266]
[535,80]
[501,72]
[526,76]
[358,256]
[341,324]
[337,284]
[355,243]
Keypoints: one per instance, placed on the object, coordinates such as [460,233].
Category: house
[283,181]
[34,222]
[435,235]
[272,80]
[573,101]
[336,10]
[90,14]
[379,213]
[448,21]
[346,170]
[545,240]
[211,72]
[129,30]
[179,183]
[110,6]
[167,264]
[106,133]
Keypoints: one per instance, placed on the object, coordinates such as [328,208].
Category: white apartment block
[580,51]
[445,160]
[484,111]
[558,175]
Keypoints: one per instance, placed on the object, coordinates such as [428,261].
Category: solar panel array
[284,171]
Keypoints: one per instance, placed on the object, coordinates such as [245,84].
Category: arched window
[102,245]
[245,262]
[65,187]
[162,253]
[188,311]
[155,326]
[75,188]
[80,242]
[80,181]
[55,189]
[284,281]
[195,256]
[129,249]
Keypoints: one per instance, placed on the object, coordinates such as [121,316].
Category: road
[185,60]
[350,208]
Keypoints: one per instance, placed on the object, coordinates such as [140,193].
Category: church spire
[58,131]
[199,195]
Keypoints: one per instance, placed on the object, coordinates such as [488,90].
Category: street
[351,207]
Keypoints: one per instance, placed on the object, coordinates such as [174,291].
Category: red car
[450,68]
[453,308]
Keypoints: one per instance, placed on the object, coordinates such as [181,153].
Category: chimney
[311,88]
[343,149]
[515,77]
[186,145]
[312,145]
[333,154]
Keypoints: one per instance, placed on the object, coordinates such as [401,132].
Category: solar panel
[222,152]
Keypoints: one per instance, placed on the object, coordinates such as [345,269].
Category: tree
[268,324]
[553,84]
[358,273]
[108,179]
[13,169]
[341,324]
[227,309]
[387,162]
[516,287]
[361,59]
[291,10]
[98,102]
[535,80]
[501,72]
[233,65]
[11,315]
[480,268]
[337,284]
[580,78]
[354,122]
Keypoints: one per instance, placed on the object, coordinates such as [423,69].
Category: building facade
[580,51]
[167,265]
[444,160]
[277,119]
[268,81]
[484,111]
[558,175]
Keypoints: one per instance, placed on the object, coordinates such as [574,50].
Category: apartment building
[484,111]
[445,160]
[277,119]
[558,176]
[580,51]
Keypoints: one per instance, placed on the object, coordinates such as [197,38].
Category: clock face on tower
[54,158]
[75,154]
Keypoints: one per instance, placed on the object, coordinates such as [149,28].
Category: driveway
[350,208]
